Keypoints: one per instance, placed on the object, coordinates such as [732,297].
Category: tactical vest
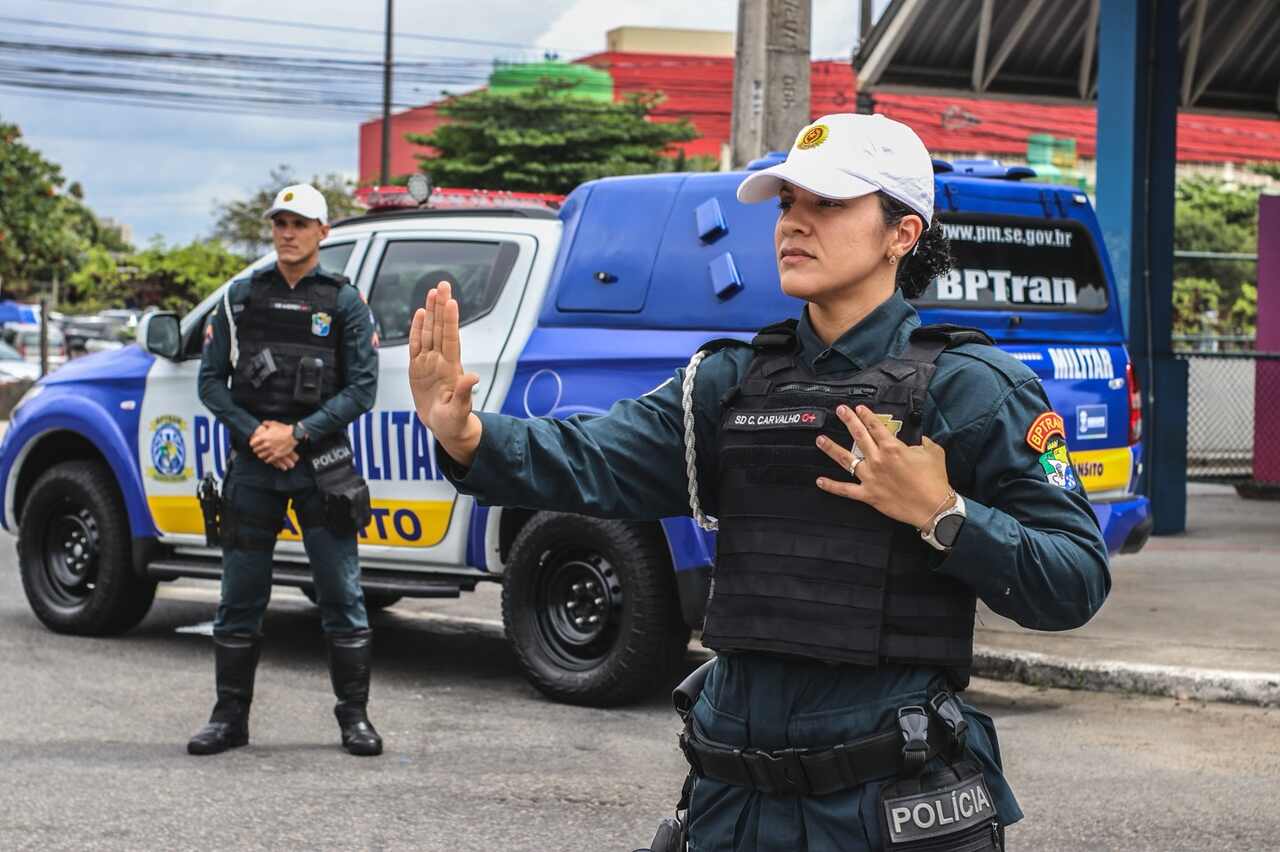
[803,572]
[295,330]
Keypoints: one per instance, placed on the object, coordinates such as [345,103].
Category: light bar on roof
[377,198]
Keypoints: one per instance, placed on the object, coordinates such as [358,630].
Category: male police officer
[296,343]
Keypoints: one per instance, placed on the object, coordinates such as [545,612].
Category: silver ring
[853,465]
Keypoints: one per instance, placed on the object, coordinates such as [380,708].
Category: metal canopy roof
[1046,50]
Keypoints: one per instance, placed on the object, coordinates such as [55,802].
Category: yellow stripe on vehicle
[1103,470]
[397,523]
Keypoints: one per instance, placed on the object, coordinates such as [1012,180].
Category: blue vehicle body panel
[84,396]
[618,319]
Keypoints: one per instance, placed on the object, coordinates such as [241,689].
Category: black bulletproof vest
[293,326]
[803,572]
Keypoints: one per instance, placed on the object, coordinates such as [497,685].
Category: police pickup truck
[565,309]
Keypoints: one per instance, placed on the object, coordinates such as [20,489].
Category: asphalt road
[93,733]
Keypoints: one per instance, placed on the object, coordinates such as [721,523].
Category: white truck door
[414,506]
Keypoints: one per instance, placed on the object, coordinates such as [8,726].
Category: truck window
[1013,263]
[333,258]
[409,268]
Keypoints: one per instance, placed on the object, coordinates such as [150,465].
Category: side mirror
[160,334]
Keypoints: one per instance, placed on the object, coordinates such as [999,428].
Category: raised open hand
[441,389]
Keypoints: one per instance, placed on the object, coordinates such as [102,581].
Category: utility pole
[770,76]
[386,104]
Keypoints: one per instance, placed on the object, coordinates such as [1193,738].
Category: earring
[893,259]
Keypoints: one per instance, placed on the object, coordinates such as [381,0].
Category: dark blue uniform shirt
[1031,549]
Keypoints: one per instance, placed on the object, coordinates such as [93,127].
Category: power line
[33,22]
[245,19]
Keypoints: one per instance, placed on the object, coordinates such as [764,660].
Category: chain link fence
[1229,396]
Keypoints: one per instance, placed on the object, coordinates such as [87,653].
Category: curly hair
[932,254]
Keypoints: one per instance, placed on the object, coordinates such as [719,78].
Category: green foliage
[170,278]
[37,240]
[1243,316]
[1195,305]
[1270,169]
[240,223]
[1212,215]
[548,140]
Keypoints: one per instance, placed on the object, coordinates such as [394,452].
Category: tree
[37,240]
[548,140]
[1212,215]
[170,278]
[240,223]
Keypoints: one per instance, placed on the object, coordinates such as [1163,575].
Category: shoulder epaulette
[952,335]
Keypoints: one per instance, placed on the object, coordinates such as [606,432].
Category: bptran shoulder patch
[962,806]
[1048,437]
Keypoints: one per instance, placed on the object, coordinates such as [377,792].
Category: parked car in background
[25,338]
[13,367]
[98,333]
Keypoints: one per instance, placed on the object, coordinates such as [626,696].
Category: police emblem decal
[1048,437]
[321,322]
[813,136]
[169,450]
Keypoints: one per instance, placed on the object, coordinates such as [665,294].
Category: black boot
[350,655]
[235,661]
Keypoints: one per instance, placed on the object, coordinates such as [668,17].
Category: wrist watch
[943,530]
[299,434]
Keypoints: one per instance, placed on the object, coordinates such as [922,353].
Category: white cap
[303,199]
[847,155]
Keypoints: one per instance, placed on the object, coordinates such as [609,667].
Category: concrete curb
[1237,687]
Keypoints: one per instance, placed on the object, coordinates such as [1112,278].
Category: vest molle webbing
[297,326]
[803,572]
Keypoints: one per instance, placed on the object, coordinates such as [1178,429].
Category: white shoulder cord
[231,323]
[690,453]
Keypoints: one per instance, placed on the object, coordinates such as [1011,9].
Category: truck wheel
[373,601]
[75,553]
[591,609]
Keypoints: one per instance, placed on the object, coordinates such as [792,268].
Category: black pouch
[950,810]
[211,507]
[307,384]
[346,494]
[670,837]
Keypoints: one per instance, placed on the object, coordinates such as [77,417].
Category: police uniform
[830,720]
[1030,549]
[303,355]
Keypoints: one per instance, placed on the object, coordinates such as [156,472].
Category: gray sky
[161,170]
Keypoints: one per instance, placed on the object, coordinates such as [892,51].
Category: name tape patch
[958,807]
[786,418]
[284,305]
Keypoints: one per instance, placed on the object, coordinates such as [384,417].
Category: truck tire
[591,609]
[373,601]
[75,553]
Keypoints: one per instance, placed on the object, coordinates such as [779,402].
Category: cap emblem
[288,196]
[813,137]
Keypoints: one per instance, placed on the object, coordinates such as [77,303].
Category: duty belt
[920,735]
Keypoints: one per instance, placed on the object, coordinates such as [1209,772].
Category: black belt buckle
[913,722]
[947,709]
[782,770]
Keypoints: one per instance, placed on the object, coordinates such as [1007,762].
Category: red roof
[700,88]
[953,124]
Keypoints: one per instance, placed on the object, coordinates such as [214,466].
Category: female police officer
[846,570]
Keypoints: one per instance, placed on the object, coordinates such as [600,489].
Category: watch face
[948,530]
